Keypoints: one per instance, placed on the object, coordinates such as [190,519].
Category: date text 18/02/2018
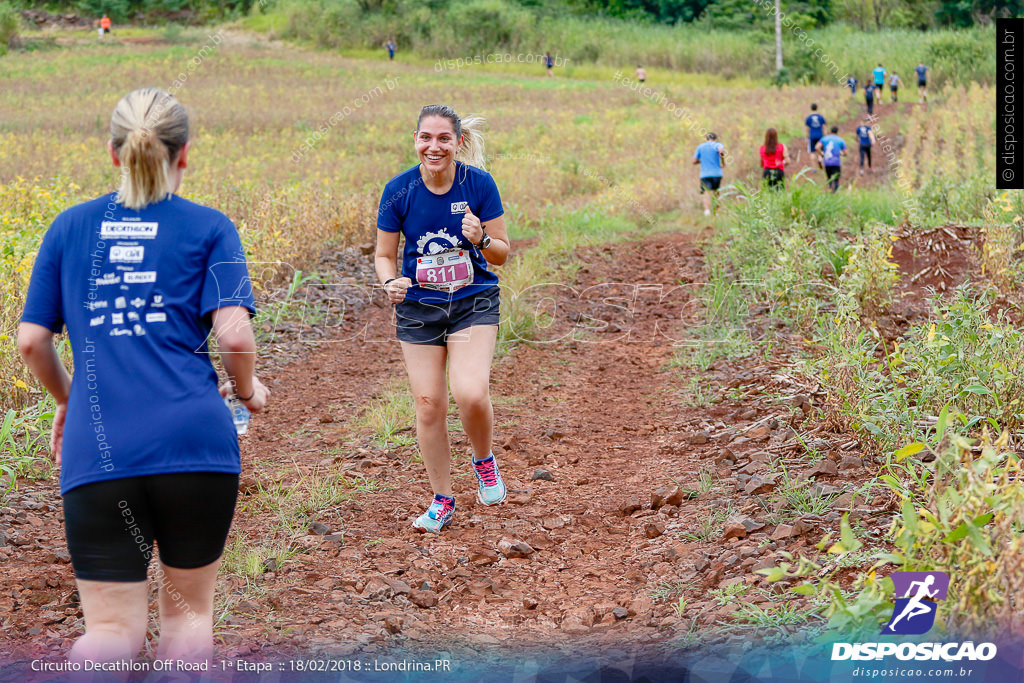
[336,665]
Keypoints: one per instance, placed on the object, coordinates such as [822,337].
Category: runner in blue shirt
[866,138]
[869,98]
[145,444]
[710,155]
[391,49]
[922,82]
[879,76]
[851,83]
[549,62]
[446,297]
[832,150]
[815,129]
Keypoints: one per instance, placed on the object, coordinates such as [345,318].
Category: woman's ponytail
[472,151]
[147,131]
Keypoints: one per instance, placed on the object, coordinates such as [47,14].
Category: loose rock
[542,474]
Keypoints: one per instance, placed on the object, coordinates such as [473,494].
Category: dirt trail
[590,424]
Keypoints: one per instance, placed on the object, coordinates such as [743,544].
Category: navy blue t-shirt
[864,133]
[433,222]
[135,290]
[922,73]
[869,92]
[815,122]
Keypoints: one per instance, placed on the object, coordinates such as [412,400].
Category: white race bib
[445,271]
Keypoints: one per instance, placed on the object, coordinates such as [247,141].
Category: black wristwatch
[485,242]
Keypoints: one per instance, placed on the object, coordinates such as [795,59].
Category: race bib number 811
[446,271]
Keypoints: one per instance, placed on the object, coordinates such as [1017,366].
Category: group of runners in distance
[827,149]
[147,448]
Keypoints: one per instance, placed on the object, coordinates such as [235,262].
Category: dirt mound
[936,260]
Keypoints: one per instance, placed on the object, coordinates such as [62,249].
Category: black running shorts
[111,525]
[422,323]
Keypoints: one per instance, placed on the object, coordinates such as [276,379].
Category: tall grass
[574,159]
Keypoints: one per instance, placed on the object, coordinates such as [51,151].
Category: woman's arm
[35,343]
[501,246]
[385,262]
[237,344]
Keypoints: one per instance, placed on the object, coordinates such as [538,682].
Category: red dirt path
[603,413]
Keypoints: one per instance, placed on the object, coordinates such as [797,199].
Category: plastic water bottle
[239,414]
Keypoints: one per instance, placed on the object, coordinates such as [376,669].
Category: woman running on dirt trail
[774,157]
[446,300]
[145,443]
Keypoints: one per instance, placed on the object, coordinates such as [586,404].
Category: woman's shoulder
[408,177]
[199,213]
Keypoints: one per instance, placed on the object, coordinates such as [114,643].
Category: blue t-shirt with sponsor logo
[815,126]
[710,156]
[432,223]
[832,146]
[864,133]
[135,290]
[879,74]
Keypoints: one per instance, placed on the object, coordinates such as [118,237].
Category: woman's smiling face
[436,144]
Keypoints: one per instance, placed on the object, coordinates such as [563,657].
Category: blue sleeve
[226,279]
[388,219]
[489,200]
[807,122]
[43,302]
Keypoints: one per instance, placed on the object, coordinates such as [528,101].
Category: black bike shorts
[111,525]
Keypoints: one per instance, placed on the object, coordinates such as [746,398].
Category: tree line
[862,14]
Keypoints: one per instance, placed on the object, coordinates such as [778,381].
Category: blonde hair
[147,131]
[470,129]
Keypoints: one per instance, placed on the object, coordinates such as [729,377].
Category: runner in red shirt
[774,157]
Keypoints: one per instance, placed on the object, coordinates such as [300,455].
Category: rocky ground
[627,492]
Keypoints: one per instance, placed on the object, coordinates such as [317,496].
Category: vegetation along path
[638,509]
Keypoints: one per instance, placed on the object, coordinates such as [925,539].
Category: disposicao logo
[914,615]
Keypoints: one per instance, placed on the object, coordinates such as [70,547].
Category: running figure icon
[915,607]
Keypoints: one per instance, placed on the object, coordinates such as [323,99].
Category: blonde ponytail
[147,131]
[470,129]
[472,151]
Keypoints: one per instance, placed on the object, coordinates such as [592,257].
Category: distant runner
[641,73]
[549,62]
[711,157]
[851,83]
[866,137]
[869,98]
[894,85]
[391,49]
[104,25]
[815,128]
[879,75]
[774,157]
[922,82]
[832,150]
